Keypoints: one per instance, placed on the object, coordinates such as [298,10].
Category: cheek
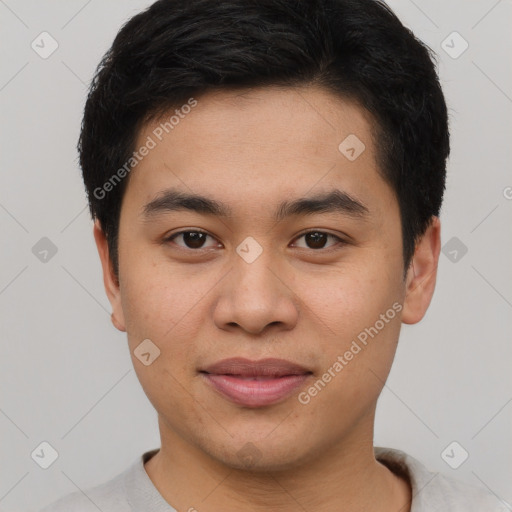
[170,307]
[356,316]
[347,301]
[162,308]
[357,346]
[157,297]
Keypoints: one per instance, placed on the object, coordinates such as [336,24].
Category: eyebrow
[334,201]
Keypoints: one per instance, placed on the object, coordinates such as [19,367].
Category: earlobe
[109,278]
[421,275]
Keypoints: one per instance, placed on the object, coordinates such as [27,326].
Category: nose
[256,297]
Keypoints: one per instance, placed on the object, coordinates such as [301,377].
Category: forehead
[298,120]
[267,142]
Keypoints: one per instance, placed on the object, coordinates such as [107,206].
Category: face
[300,260]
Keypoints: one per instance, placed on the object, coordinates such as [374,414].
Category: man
[266,178]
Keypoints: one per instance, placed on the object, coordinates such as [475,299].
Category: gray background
[65,373]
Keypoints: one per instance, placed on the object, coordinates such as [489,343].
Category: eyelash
[300,235]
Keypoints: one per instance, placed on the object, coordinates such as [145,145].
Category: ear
[109,279]
[422,273]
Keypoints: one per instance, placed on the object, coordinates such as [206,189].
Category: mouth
[255,383]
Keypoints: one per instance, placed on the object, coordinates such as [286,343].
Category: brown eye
[318,239]
[191,239]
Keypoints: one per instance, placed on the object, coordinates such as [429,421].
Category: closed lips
[256,370]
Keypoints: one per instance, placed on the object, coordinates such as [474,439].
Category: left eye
[318,239]
[196,239]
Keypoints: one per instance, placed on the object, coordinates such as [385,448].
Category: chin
[259,456]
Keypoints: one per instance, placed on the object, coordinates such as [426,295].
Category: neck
[343,477]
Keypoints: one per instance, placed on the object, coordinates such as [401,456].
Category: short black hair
[356,49]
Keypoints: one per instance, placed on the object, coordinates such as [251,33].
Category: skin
[251,150]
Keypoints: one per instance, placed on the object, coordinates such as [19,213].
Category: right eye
[192,239]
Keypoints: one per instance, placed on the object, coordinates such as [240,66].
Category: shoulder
[460,496]
[110,495]
[435,492]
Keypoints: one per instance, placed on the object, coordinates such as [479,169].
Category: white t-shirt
[133,491]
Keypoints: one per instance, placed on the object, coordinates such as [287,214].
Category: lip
[255,383]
